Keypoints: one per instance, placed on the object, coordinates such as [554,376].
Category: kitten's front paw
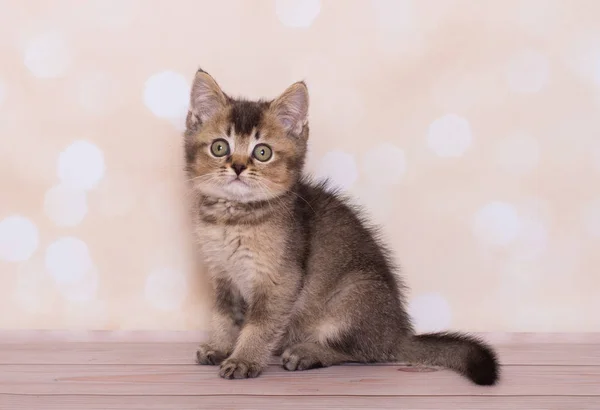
[239,369]
[208,356]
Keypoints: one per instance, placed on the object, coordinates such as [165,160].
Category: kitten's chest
[233,248]
[240,253]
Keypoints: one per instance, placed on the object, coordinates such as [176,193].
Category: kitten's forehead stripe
[246,116]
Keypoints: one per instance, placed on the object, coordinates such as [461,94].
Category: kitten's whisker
[200,177]
[269,201]
[300,197]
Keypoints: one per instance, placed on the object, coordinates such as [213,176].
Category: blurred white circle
[167,95]
[297,13]
[65,206]
[112,14]
[538,16]
[339,168]
[19,238]
[496,223]
[449,136]
[81,165]
[430,312]
[68,260]
[47,55]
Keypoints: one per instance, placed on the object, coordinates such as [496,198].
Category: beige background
[469,129]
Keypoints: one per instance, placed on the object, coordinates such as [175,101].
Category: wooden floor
[548,372]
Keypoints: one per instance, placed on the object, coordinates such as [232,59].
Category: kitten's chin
[236,190]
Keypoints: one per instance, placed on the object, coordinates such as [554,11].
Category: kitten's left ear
[206,99]
[291,108]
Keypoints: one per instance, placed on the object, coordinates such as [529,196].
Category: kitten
[296,271]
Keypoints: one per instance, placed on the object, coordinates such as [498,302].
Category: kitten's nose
[238,168]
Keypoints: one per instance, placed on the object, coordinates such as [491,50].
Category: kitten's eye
[219,148]
[262,152]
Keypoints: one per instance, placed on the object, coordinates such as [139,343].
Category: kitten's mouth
[237,181]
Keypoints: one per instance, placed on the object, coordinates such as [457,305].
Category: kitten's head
[242,150]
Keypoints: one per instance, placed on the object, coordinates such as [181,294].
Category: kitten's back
[350,269]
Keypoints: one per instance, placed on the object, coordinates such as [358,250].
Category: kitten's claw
[297,359]
[239,369]
[206,355]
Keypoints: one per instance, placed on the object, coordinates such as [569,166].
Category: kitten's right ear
[206,99]
[291,108]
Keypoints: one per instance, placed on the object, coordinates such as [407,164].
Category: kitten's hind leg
[304,356]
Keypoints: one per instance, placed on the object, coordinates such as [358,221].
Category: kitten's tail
[464,354]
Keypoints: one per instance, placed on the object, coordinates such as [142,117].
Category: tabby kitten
[296,271]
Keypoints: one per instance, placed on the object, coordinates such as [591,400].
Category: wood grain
[11,401]
[121,371]
[338,380]
[555,354]
[175,336]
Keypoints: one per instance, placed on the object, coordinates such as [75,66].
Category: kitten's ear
[291,108]
[206,99]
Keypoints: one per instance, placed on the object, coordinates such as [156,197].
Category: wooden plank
[339,380]
[195,336]
[11,401]
[183,353]
[98,353]
[556,354]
